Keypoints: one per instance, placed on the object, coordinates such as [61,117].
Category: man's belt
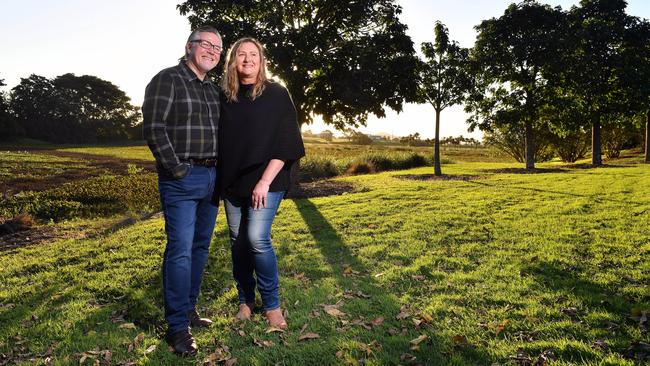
[206,162]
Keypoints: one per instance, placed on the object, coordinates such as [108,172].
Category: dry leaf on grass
[403,313]
[127,326]
[377,321]
[415,343]
[407,357]
[307,336]
[273,330]
[333,310]
[459,340]
[499,327]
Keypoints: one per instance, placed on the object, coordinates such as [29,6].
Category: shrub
[317,167]
[378,162]
[360,168]
[94,197]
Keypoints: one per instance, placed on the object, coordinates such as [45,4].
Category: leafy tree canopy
[72,108]
[339,59]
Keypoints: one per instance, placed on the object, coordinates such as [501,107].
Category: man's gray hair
[202,29]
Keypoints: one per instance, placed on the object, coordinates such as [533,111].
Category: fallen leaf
[273,330]
[571,312]
[418,277]
[127,326]
[600,344]
[500,327]
[308,336]
[426,317]
[241,333]
[138,339]
[407,357]
[107,355]
[522,358]
[333,311]
[416,322]
[545,358]
[378,321]
[419,339]
[231,361]
[304,327]
[459,340]
[403,314]
[339,354]
[150,349]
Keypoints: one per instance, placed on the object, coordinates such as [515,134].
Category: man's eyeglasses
[207,45]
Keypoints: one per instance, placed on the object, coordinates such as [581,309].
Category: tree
[73,108]
[605,69]
[8,126]
[512,62]
[443,79]
[357,137]
[339,59]
[509,138]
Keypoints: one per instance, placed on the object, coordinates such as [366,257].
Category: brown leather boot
[196,321]
[182,342]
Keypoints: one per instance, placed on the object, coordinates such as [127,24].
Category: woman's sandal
[275,319]
[245,311]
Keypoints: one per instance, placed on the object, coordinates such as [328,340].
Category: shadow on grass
[77,306]
[339,256]
[596,198]
[579,300]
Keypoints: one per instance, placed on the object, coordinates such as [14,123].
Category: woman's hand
[260,194]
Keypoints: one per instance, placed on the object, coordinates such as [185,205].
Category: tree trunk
[436,147]
[647,137]
[596,152]
[530,147]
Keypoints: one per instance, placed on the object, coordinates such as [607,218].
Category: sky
[128,41]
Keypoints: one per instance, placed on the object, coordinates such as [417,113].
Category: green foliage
[504,265]
[572,146]
[607,60]
[317,167]
[341,60]
[512,64]
[72,109]
[510,139]
[444,79]
[94,197]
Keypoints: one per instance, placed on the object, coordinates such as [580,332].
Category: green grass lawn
[495,270]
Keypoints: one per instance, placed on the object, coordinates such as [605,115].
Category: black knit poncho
[251,133]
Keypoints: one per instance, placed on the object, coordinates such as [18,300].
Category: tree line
[538,77]
[539,80]
[67,109]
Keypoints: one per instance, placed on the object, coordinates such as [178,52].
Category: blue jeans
[253,258]
[190,216]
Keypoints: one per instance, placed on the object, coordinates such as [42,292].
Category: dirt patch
[428,177]
[32,236]
[320,189]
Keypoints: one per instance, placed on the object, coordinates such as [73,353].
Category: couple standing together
[236,142]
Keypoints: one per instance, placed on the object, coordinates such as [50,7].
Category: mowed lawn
[498,268]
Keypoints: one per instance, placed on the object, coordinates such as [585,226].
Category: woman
[259,140]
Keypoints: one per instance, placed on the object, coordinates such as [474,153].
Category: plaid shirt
[181,115]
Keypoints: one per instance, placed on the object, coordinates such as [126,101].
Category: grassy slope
[498,262]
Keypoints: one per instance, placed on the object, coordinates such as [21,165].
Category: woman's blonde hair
[230,80]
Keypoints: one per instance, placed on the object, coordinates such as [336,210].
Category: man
[181,114]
